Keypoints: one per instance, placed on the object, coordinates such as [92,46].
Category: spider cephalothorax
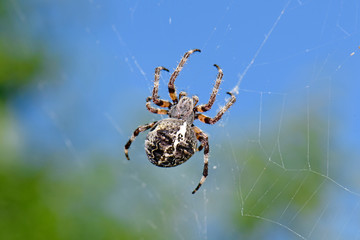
[173,140]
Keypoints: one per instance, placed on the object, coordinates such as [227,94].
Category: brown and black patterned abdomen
[170,143]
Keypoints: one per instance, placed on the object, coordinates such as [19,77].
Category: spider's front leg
[206,107]
[155,97]
[171,86]
[140,129]
[209,120]
[204,140]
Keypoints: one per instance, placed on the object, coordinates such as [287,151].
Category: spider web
[283,160]
[274,155]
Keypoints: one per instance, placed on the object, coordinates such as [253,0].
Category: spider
[172,141]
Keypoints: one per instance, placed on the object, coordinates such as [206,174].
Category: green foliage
[18,68]
[35,204]
[20,58]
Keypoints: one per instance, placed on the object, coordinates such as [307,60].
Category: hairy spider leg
[205,119]
[171,86]
[155,110]
[140,129]
[206,107]
[204,140]
[155,97]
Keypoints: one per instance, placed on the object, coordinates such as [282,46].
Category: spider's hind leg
[140,129]
[204,140]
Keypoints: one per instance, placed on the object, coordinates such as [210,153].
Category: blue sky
[298,50]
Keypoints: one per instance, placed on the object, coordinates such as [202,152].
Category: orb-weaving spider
[173,140]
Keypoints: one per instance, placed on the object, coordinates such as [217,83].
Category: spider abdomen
[170,142]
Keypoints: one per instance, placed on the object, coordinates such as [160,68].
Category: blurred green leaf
[18,68]
[35,204]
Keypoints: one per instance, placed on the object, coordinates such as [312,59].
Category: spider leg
[206,107]
[155,110]
[140,129]
[155,97]
[198,136]
[171,86]
[209,120]
[203,138]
